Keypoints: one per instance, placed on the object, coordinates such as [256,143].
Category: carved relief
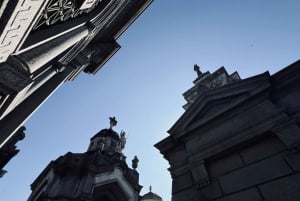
[19,23]
[61,10]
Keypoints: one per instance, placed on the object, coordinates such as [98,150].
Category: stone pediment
[214,103]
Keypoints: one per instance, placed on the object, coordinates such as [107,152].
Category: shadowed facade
[238,139]
[46,43]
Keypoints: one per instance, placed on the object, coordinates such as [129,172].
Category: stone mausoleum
[238,140]
[99,174]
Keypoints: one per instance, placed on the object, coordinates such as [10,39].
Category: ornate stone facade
[44,43]
[18,25]
[239,141]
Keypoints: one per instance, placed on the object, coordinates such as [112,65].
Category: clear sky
[142,84]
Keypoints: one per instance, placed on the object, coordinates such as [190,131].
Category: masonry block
[224,165]
[212,191]
[262,149]
[284,189]
[178,158]
[293,160]
[188,195]
[254,174]
[182,182]
[289,133]
[248,195]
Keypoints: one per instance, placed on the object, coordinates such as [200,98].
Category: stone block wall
[261,171]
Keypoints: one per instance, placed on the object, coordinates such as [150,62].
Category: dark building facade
[46,43]
[239,139]
[99,174]
[150,196]
[9,150]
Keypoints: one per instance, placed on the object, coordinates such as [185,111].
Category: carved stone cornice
[18,26]
[35,58]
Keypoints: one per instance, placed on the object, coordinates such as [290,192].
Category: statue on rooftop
[122,140]
[135,162]
[113,122]
[197,69]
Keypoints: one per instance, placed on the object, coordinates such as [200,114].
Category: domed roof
[107,133]
[151,197]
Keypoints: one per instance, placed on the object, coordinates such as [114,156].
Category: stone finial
[113,122]
[150,188]
[197,69]
[135,161]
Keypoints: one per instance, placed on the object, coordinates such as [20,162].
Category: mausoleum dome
[107,140]
[151,196]
[107,133]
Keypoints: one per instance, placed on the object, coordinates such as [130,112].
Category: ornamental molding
[20,22]
[58,11]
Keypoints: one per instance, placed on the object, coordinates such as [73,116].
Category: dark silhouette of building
[150,196]
[238,139]
[101,173]
[45,43]
[9,150]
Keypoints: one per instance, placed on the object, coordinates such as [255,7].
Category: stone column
[35,58]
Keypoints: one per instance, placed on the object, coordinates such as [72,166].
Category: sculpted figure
[122,140]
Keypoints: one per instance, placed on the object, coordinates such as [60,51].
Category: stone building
[101,173]
[9,150]
[239,139]
[45,43]
[150,196]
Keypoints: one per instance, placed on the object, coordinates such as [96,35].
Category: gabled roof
[215,102]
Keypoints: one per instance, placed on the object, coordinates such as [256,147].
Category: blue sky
[142,84]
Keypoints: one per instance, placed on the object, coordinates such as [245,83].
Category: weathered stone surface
[285,189]
[182,182]
[44,53]
[188,195]
[293,160]
[212,191]
[262,149]
[289,133]
[235,129]
[12,79]
[257,173]
[199,173]
[248,195]
[224,165]
[19,23]
[178,157]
